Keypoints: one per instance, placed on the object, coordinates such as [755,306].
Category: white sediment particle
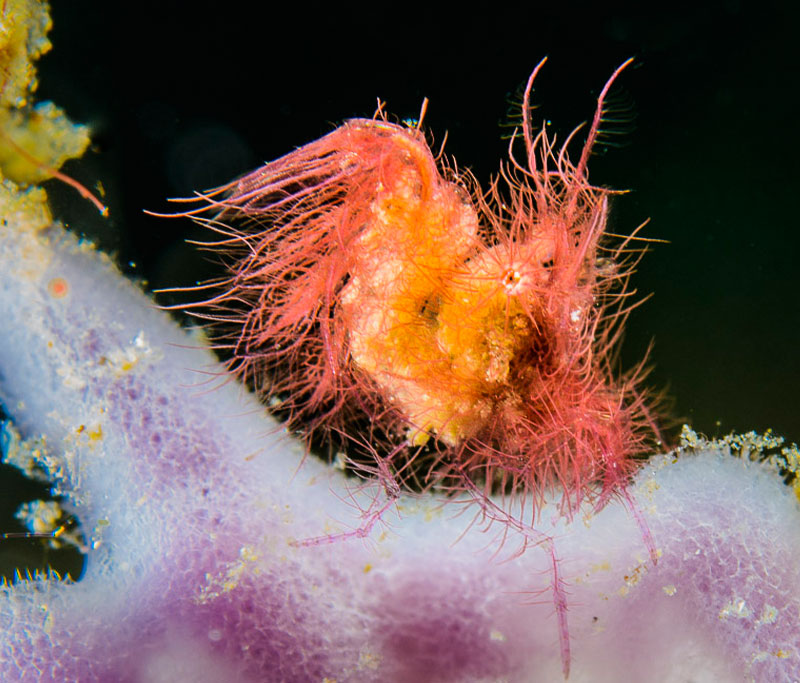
[768,615]
[229,577]
[368,661]
[125,359]
[736,608]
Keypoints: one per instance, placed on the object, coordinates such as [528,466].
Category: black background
[183,96]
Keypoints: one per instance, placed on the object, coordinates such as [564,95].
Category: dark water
[187,97]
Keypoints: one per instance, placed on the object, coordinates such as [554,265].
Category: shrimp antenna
[598,117]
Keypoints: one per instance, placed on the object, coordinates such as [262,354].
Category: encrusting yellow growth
[34,140]
[23,39]
[24,207]
[37,140]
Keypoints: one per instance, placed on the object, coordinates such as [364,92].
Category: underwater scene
[486,348]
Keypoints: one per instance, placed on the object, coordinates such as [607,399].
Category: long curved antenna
[580,170]
[527,129]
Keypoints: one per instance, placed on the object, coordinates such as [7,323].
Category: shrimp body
[375,292]
[370,280]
